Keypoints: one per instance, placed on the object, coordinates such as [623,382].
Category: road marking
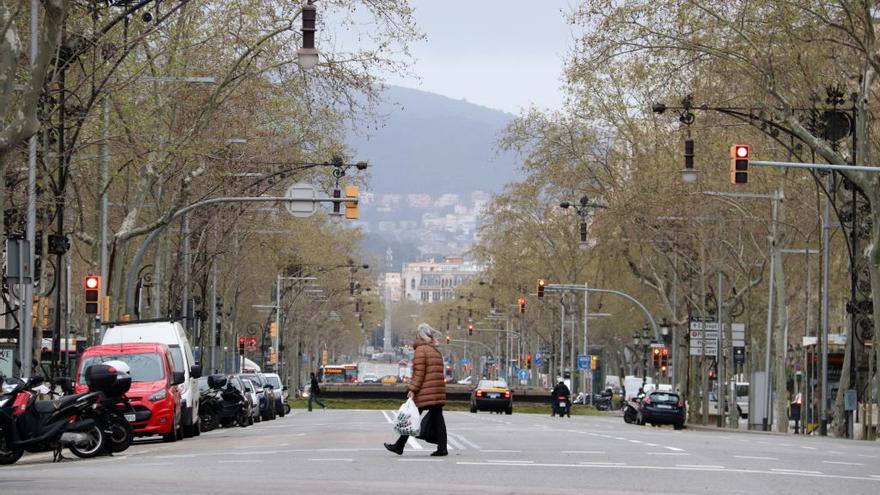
[699,466]
[386,417]
[327,459]
[496,451]
[175,456]
[583,451]
[869,456]
[796,471]
[453,443]
[875,476]
[466,441]
[602,463]
[509,461]
[756,457]
[843,463]
[808,448]
[619,438]
[666,453]
[420,460]
[636,441]
[651,444]
[240,461]
[149,464]
[414,444]
[674,448]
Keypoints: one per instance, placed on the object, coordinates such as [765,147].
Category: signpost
[304,196]
[704,337]
[539,359]
[583,361]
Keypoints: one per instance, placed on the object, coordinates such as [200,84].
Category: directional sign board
[305,193]
[704,337]
[583,362]
[523,375]
[539,359]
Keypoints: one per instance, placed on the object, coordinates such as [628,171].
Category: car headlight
[159,395]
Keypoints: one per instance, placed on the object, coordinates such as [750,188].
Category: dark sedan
[492,395]
[662,408]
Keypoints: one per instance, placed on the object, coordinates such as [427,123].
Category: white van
[172,334]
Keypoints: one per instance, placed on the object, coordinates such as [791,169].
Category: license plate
[664,406]
[130,417]
[563,404]
[494,396]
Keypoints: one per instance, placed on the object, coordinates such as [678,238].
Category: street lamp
[582,209]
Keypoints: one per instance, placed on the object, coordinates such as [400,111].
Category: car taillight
[507,394]
[479,393]
[680,403]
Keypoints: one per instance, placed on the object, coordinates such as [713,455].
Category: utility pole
[823,338]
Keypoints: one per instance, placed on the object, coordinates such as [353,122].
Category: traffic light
[93,291]
[241,342]
[594,362]
[522,305]
[664,360]
[470,329]
[528,361]
[739,164]
[688,173]
[351,208]
[655,354]
[541,284]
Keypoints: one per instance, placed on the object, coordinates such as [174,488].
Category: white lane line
[636,441]
[466,441]
[240,461]
[674,448]
[327,459]
[843,463]
[756,457]
[509,461]
[619,438]
[699,466]
[420,460]
[583,451]
[602,463]
[414,444]
[796,471]
[875,476]
[386,417]
[498,451]
[809,448]
[869,456]
[667,453]
[453,444]
[651,444]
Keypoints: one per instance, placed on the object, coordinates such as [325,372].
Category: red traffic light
[241,340]
[741,151]
[93,281]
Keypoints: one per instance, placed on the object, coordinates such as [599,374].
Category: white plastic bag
[407,421]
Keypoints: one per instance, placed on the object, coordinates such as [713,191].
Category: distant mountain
[433,144]
[433,165]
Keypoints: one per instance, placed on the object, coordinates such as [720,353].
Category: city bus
[351,373]
[331,374]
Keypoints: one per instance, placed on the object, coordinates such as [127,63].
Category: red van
[153,393]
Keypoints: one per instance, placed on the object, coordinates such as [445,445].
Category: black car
[662,408]
[266,395]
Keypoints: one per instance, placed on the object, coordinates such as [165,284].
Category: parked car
[662,408]
[265,394]
[369,378]
[251,391]
[280,392]
[492,395]
[155,385]
[170,333]
[389,379]
[250,404]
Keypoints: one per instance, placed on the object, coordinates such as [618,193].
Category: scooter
[113,380]
[631,409]
[562,406]
[27,424]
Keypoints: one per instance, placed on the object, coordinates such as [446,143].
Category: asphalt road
[341,452]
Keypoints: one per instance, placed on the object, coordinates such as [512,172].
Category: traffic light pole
[586,288]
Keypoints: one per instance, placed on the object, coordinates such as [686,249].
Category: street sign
[465,361]
[307,195]
[539,359]
[704,336]
[523,375]
[583,361]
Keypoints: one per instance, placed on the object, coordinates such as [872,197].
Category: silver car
[251,392]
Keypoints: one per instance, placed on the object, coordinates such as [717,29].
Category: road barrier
[398,391]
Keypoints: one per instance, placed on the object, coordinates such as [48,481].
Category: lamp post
[666,335]
[643,340]
[583,209]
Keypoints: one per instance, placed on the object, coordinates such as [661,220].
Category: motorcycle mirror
[195,371]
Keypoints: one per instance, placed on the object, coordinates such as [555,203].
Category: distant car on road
[465,381]
[662,408]
[492,395]
[280,392]
[251,391]
[390,379]
[369,378]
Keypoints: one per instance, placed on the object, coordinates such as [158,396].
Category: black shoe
[393,448]
[439,453]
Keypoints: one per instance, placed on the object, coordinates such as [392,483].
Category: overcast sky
[503,54]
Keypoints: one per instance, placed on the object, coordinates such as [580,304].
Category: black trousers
[438,424]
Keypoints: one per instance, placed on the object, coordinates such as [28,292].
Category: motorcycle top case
[105,379]
[217,381]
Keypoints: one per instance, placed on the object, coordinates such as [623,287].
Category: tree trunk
[779,344]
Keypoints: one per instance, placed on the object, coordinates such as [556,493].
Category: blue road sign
[583,361]
[523,375]
[465,361]
[539,359]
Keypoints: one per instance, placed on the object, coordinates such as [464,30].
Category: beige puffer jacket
[428,381]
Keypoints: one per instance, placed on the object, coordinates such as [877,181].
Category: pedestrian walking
[314,391]
[427,388]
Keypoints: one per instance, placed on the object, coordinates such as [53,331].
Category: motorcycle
[233,408]
[210,404]
[631,409]
[113,380]
[222,405]
[28,424]
[562,406]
